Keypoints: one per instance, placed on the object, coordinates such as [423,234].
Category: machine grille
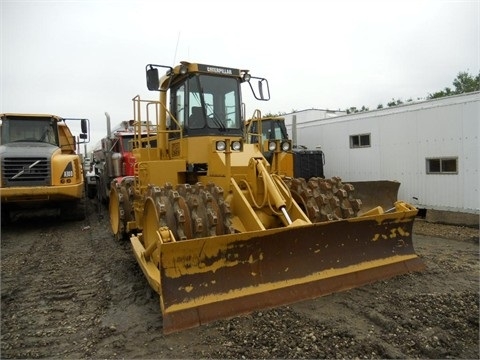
[27,171]
[308,163]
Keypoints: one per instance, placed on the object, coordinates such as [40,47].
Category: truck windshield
[29,130]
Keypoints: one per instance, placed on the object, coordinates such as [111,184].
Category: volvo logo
[26,170]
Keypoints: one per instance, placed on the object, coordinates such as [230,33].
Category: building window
[442,165]
[361,140]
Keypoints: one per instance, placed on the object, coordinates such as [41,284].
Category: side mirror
[262,92]
[153,82]
[84,127]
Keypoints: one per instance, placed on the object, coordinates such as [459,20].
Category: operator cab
[206,100]
[273,128]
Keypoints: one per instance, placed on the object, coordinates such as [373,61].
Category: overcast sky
[82,58]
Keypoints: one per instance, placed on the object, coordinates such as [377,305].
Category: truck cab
[40,165]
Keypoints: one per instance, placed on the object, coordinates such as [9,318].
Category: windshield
[271,130]
[277,131]
[213,102]
[24,129]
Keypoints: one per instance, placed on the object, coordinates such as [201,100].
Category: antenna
[176,48]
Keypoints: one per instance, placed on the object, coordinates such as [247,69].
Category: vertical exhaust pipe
[294,130]
[107,147]
[109,129]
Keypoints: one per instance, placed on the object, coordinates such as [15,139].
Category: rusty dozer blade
[219,277]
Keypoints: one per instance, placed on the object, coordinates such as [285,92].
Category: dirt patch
[69,290]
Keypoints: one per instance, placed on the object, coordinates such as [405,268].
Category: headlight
[272,145]
[285,146]
[236,145]
[220,146]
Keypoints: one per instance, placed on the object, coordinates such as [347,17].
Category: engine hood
[23,149]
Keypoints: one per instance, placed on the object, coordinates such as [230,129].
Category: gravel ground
[69,291]
[461,233]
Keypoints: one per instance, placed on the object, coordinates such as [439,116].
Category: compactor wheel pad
[116,211]
[304,197]
[189,211]
[120,206]
[325,199]
[224,225]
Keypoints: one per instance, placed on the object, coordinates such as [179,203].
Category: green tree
[354,110]
[465,83]
[395,102]
[446,92]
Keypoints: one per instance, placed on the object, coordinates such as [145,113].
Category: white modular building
[430,147]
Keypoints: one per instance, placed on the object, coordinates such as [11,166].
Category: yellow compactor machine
[214,227]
